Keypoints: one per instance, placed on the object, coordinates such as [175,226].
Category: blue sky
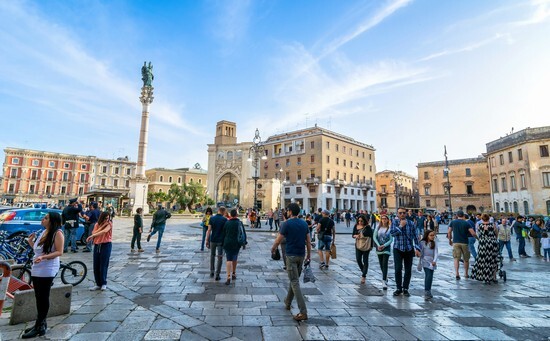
[404,76]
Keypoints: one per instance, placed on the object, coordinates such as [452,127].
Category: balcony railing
[312,180]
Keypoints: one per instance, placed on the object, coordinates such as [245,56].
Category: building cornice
[517,138]
[479,159]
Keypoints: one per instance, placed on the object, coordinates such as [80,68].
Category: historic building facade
[32,176]
[160,179]
[469,180]
[396,189]
[322,169]
[519,169]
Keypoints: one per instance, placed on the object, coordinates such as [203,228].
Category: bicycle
[72,273]
[14,247]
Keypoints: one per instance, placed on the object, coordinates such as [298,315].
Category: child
[428,261]
[545,242]
[138,230]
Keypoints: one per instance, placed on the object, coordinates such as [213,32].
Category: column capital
[146,95]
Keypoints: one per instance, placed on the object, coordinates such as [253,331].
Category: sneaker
[132,250]
[322,265]
[397,292]
[384,285]
[157,251]
[103,287]
[512,260]
[141,250]
[406,293]
[428,295]
[326,266]
[300,317]
[95,288]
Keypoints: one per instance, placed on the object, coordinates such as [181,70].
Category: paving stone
[455,333]
[340,333]
[188,335]
[399,333]
[210,332]
[89,336]
[163,334]
[247,333]
[78,318]
[94,327]
[487,333]
[260,321]
[280,333]
[136,335]
[424,332]
[187,321]
[64,331]
[164,323]
[227,321]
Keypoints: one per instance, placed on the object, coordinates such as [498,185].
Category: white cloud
[232,21]
[540,14]
[467,48]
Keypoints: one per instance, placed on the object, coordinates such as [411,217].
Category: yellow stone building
[387,193]
[519,169]
[160,179]
[469,180]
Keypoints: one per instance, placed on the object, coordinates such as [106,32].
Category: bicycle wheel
[73,272]
[22,273]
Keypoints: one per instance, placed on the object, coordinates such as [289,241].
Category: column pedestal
[138,195]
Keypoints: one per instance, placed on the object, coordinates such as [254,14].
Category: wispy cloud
[467,48]
[541,13]
[232,21]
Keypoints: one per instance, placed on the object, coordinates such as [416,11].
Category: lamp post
[446,171]
[255,153]
[281,181]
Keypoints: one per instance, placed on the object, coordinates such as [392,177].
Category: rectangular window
[357,153]
[513,182]
[352,191]
[82,177]
[287,162]
[520,154]
[34,174]
[469,189]
[11,188]
[299,161]
[337,161]
[328,158]
[383,202]
[104,169]
[80,190]
[468,172]
[116,170]
[299,175]
[65,176]
[312,144]
[544,151]
[351,151]
[50,175]
[103,182]
[328,174]
[31,189]
[495,185]
[522,180]
[329,189]
[66,165]
[337,175]
[48,189]
[15,161]
[287,190]
[14,173]
[426,190]
[345,177]
[115,182]
[298,189]
[426,176]
[345,191]
[127,184]
[428,203]
[128,171]
[546,179]
[312,173]
[63,189]
[364,167]
[51,163]
[370,168]
[447,202]
[328,145]
[337,147]
[35,163]
[510,157]
[312,158]
[345,162]
[287,176]
[383,188]
[344,149]
[493,162]
[501,157]
[503,184]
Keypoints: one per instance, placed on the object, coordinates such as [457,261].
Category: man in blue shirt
[296,233]
[214,240]
[405,247]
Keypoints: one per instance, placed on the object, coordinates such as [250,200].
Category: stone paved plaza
[171,296]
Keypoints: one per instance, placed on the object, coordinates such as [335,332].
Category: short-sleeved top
[461,232]
[217,222]
[326,226]
[295,231]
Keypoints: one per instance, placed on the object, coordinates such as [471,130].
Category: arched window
[200,181]
[516,208]
[160,190]
[170,179]
[191,180]
[179,179]
[161,178]
[526,207]
[506,207]
[498,207]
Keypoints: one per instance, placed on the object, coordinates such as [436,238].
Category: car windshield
[34,215]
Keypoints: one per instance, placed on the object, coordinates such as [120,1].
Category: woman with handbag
[362,233]
[383,239]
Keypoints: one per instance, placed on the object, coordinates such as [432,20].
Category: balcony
[312,180]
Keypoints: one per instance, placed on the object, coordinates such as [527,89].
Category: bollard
[6,274]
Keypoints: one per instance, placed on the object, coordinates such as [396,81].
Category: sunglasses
[401,212]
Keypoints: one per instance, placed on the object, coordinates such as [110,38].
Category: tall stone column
[138,184]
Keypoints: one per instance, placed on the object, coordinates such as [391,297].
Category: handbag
[333,251]
[363,243]
[308,274]
[276,255]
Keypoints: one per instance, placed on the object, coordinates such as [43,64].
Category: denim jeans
[270,223]
[88,232]
[277,221]
[216,250]
[472,246]
[400,257]
[384,259]
[102,254]
[508,245]
[204,229]
[70,239]
[362,258]
[294,270]
[521,246]
[547,253]
[160,230]
[428,279]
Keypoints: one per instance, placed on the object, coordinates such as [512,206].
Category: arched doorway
[228,190]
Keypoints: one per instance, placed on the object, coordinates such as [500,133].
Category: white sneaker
[94,288]
[103,287]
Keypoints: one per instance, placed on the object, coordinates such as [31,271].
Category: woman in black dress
[486,266]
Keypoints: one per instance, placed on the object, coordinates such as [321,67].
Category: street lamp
[255,153]
[446,172]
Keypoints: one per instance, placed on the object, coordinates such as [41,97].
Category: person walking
[362,233]
[270,214]
[48,247]
[205,222]
[472,240]
[536,234]
[428,261]
[405,247]
[486,266]
[458,233]
[214,241]
[297,239]
[69,219]
[92,216]
[138,230]
[326,235]
[102,236]
[347,216]
[158,225]
[420,222]
[383,240]
[519,228]
[504,237]
[231,246]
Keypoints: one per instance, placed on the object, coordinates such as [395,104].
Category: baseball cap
[460,213]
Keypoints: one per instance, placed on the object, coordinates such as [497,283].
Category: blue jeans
[160,230]
[428,279]
[270,223]
[420,232]
[508,247]
[546,253]
[102,254]
[521,246]
[216,251]
[472,246]
[204,229]
[400,257]
[294,270]
[70,238]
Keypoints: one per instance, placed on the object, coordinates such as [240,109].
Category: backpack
[532,233]
[241,236]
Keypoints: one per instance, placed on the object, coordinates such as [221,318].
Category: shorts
[459,250]
[324,244]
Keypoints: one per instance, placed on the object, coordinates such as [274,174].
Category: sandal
[300,317]
[228,281]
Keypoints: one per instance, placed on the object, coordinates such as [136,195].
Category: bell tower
[226,133]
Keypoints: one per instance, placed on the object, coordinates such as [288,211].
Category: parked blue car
[28,220]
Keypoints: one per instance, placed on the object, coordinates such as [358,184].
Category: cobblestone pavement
[171,296]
